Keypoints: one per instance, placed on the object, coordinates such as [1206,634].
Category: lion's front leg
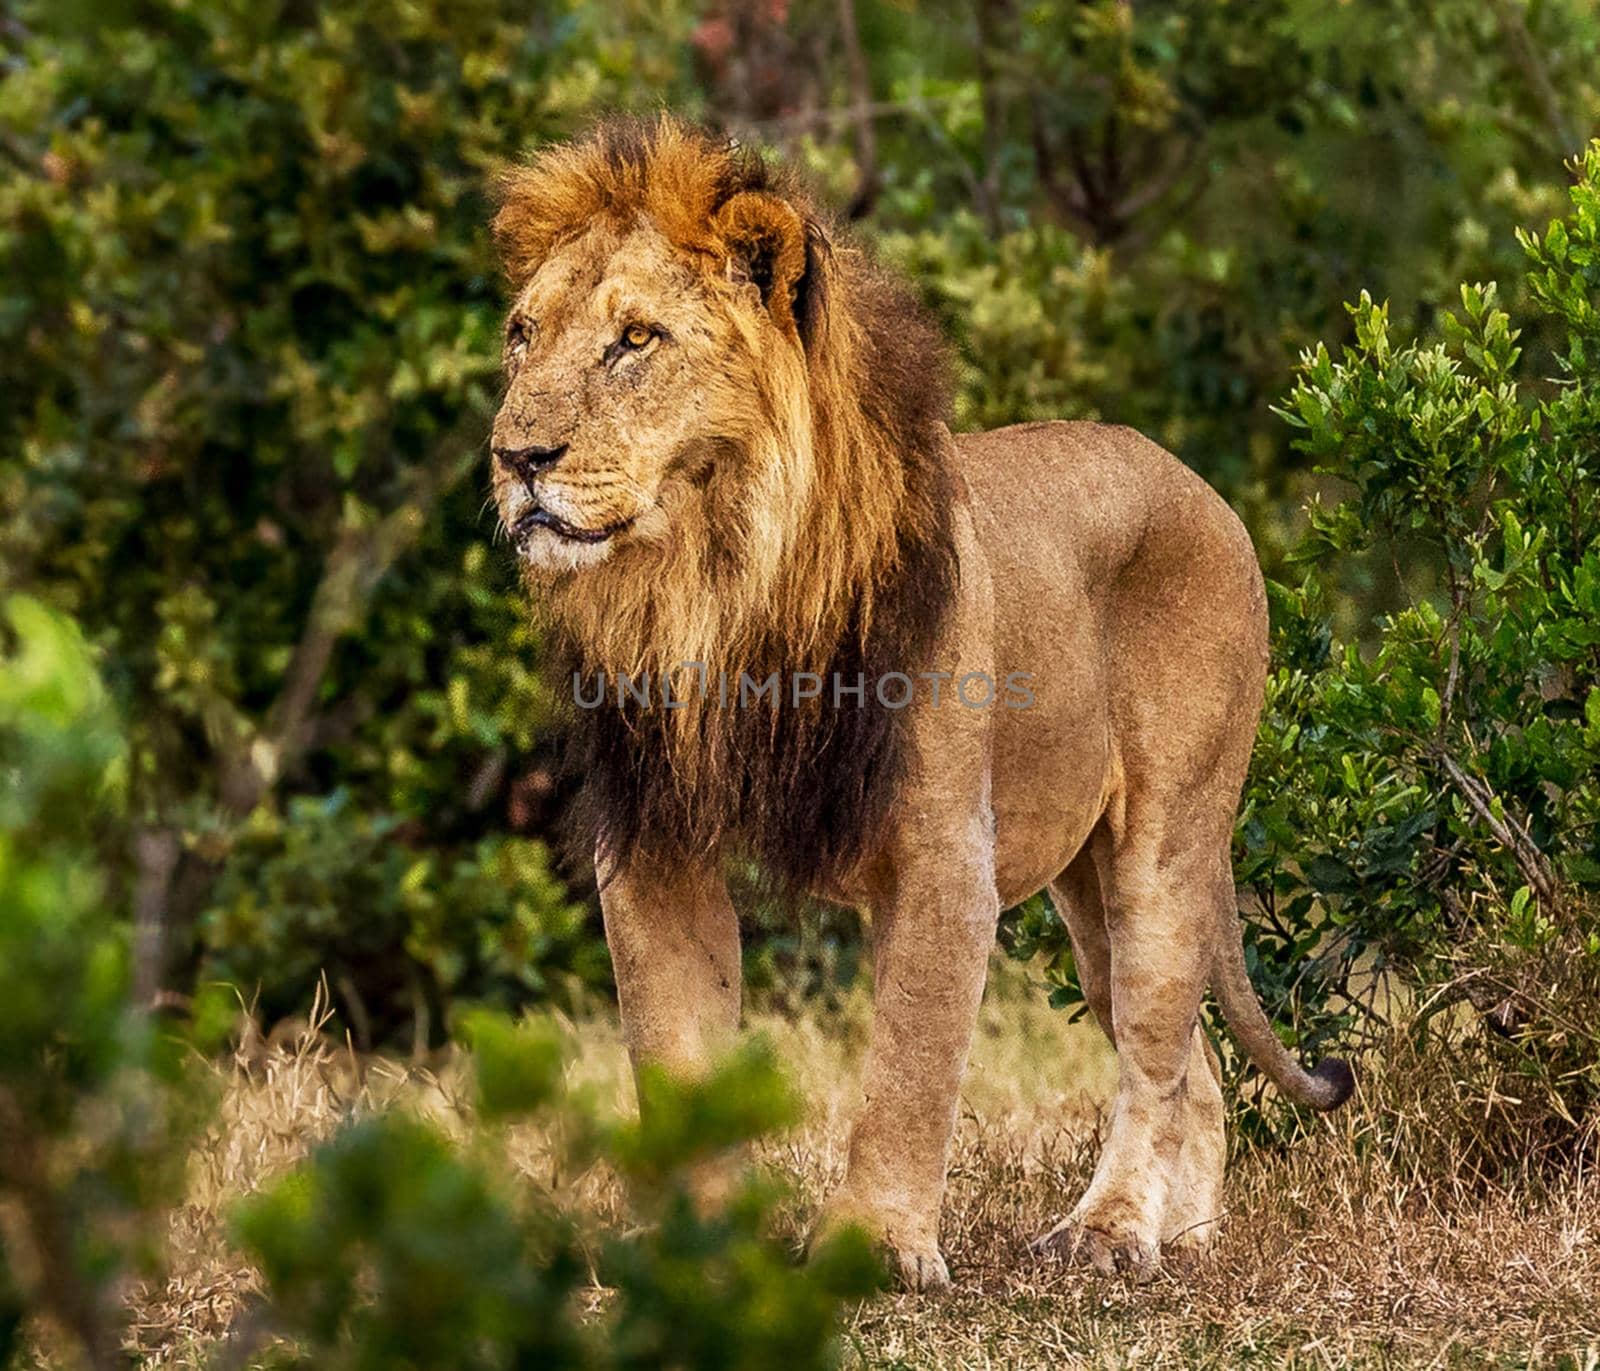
[674,941]
[933,915]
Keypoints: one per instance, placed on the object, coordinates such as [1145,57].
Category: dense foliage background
[247,345]
[248,351]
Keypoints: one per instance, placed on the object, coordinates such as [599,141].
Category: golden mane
[844,560]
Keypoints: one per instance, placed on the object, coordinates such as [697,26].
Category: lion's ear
[769,245]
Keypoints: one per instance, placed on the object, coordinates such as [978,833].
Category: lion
[723,460]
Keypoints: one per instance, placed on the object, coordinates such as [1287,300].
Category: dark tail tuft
[1338,1079]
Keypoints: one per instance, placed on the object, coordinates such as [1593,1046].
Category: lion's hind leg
[1133,922]
[1076,894]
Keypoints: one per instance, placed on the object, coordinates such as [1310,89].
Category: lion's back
[1101,489]
[1103,508]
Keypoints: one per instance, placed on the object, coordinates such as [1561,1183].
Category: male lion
[723,443]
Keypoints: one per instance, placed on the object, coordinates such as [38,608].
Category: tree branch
[994,21]
[1156,224]
[360,558]
[860,75]
[1170,168]
[1066,198]
[1519,43]
[155,857]
[71,1301]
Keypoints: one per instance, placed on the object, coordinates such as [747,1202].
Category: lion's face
[710,414]
[629,379]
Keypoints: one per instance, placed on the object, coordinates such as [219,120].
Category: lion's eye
[637,335]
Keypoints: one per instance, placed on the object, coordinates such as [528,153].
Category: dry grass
[1332,1255]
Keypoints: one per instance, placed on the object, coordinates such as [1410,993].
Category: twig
[1198,1223]
[1506,831]
[975,188]
[356,1007]
[251,1330]
[1458,605]
[807,120]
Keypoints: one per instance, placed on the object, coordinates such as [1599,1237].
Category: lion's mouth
[537,517]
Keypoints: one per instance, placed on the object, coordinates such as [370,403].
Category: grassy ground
[1332,1255]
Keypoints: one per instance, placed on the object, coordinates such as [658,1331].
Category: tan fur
[765,476]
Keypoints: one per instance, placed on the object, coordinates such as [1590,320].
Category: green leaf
[518,1066]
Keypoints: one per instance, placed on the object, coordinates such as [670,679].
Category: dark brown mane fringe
[803,792]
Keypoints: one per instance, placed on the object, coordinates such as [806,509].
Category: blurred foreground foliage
[392,1246]
[95,1104]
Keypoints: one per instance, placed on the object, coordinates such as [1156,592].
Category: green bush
[249,342]
[401,932]
[1427,812]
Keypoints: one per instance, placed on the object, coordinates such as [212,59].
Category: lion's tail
[1326,1086]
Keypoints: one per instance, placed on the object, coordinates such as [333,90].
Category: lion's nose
[527,462]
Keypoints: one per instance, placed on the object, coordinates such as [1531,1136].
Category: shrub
[403,932]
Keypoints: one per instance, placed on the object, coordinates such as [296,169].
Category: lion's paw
[914,1265]
[1111,1253]
[919,1270]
